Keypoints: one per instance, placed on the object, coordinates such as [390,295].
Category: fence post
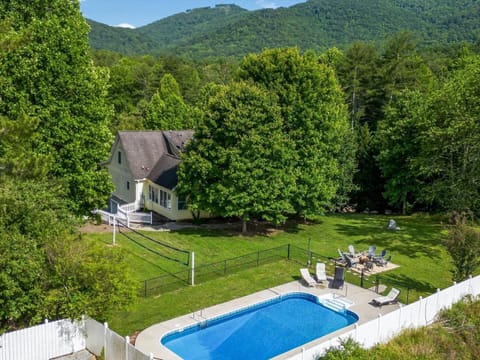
[454,292]
[379,327]
[419,320]
[258,257]
[288,251]
[309,253]
[127,341]
[145,288]
[114,231]
[105,330]
[361,279]
[193,269]
[377,283]
[225,267]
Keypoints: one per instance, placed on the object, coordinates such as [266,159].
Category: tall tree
[49,76]
[238,163]
[167,110]
[48,271]
[315,121]
[356,72]
[450,156]
[399,140]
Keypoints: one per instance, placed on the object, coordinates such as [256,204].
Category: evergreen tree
[167,110]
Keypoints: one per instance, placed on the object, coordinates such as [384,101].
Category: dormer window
[119,157]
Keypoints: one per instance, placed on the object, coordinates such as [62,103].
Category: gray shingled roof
[165,172]
[154,154]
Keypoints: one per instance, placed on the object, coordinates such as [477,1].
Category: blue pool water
[259,332]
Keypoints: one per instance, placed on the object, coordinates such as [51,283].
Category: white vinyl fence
[384,328]
[44,341]
[58,338]
[63,337]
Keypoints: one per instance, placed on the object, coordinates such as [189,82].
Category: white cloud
[125,25]
[266,4]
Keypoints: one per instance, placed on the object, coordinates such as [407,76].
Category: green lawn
[416,247]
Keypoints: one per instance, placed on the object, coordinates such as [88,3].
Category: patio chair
[351,250]
[390,298]
[381,261]
[351,262]
[320,272]
[339,278]
[307,277]
[342,258]
[383,253]
[371,251]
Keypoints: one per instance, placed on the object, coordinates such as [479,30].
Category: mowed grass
[416,247]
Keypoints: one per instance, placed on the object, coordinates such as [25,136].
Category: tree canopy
[48,271]
[53,133]
[47,75]
[314,120]
[238,163]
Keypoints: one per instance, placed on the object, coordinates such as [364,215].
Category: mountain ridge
[229,30]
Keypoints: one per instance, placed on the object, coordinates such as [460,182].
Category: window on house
[119,157]
[165,199]
[128,185]
[152,194]
[182,203]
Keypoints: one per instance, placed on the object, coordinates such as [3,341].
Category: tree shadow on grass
[412,240]
[254,229]
[405,283]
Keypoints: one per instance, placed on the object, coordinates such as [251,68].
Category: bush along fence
[420,313]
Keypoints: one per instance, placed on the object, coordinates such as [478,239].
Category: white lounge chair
[351,250]
[320,272]
[307,277]
[390,298]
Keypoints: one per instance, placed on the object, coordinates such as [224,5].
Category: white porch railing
[128,208]
[126,214]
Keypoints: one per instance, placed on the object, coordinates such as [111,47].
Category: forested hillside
[227,30]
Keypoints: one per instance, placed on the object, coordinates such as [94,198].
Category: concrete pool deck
[148,340]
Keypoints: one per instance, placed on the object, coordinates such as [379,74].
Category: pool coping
[148,340]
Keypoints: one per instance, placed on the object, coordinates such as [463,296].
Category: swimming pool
[259,332]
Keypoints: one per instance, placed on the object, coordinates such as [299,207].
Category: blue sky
[142,12]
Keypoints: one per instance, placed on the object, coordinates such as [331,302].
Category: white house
[143,167]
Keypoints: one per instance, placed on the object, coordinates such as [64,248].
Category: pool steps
[336,304]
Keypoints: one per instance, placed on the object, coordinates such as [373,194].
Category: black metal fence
[207,272]
[304,257]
